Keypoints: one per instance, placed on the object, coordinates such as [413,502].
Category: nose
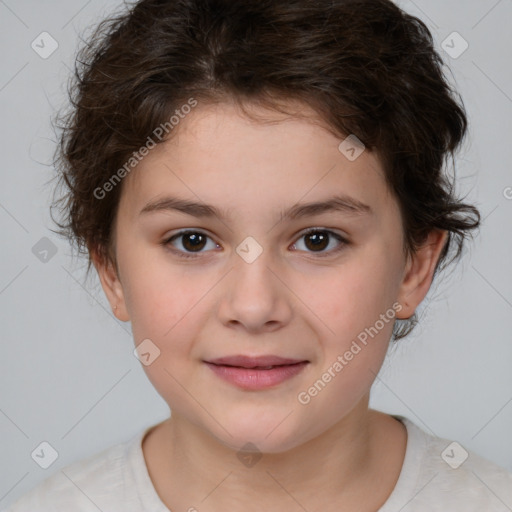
[255,297]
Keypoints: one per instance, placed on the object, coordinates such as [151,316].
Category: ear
[111,285]
[419,272]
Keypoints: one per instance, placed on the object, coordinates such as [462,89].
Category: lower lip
[253,378]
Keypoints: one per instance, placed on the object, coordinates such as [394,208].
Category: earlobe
[111,285]
[419,272]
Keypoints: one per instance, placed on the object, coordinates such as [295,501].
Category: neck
[190,468]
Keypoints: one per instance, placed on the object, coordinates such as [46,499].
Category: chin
[269,435]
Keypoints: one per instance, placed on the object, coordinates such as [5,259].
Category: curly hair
[365,66]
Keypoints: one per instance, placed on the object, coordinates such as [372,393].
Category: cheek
[151,285]
[357,306]
[351,360]
[157,296]
[353,296]
[165,307]
[163,312]
[169,305]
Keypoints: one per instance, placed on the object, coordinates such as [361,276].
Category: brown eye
[194,241]
[190,241]
[318,240]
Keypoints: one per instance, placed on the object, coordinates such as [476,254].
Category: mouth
[255,373]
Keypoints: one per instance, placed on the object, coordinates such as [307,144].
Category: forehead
[220,156]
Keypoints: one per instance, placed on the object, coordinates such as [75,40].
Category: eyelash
[181,254]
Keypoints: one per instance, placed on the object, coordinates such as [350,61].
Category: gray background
[68,375]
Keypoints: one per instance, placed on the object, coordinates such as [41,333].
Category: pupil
[319,240]
[193,241]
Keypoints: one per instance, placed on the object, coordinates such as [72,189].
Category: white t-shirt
[435,476]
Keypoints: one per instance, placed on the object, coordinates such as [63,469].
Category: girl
[259,186]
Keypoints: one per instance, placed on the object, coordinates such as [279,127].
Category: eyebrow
[338,203]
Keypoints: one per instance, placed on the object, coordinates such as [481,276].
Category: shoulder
[98,482]
[444,475]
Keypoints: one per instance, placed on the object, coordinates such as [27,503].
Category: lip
[243,361]
[254,373]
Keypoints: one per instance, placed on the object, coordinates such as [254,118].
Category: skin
[290,302]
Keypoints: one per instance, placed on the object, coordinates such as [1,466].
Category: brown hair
[365,66]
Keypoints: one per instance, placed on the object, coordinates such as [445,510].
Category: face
[260,272]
